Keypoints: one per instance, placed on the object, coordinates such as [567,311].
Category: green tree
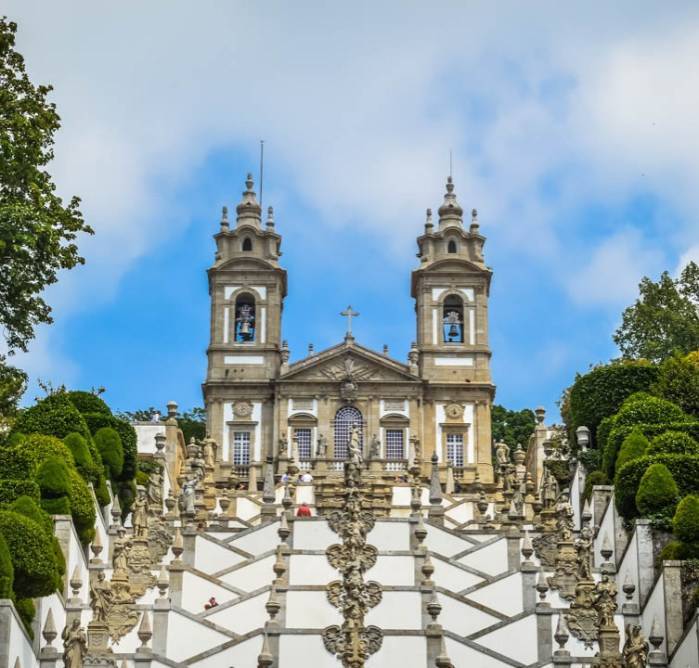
[678,381]
[37,230]
[633,447]
[657,492]
[508,426]
[665,318]
[13,382]
[686,520]
[112,451]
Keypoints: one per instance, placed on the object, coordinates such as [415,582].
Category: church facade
[262,405]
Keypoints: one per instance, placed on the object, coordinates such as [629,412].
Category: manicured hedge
[13,489]
[127,433]
[31,551]
[594,478]
[601,391]
[683,468]
[109,445]
[7,572]
[29,508]
[650,431]
[657,491]
[78,445]
[55,416]
[644,408]
[685,523]
[87,402]
[53,478]
[633,447]
[16,464]
[677,442]
[82,507]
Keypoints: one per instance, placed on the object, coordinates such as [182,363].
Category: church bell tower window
[453,320]
[244,319]
[451,247]
[346,418]
[247,244]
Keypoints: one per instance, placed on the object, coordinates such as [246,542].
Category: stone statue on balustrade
[549,490]
[502,454]
[636,647]
[140,515]
[604,599]
[322,447]
[74,645]
[101,598]
[187,497]
[564,517]
[355,446]
[375,447]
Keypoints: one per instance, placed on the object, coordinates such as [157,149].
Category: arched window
[453,320]
[451,246]
[244,318]
[247,244]
[346,418]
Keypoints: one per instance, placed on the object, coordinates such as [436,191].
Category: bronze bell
[245,327]
[453,331]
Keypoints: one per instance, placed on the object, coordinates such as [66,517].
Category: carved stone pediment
[350,366]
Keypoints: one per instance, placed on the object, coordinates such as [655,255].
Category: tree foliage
[678,381]
[13,383]
[633,447]
[665,318]
[508,426]
[111,450]
[37,230]
[657,491]
[685,523]
[600,392]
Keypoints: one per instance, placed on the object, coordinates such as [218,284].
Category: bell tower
[451,288]
[247,288]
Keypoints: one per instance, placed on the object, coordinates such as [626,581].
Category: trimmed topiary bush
[87,402]
[53,478]
[633,447]
[15,463]
[685,523]
[601,391]
[676,442]
[54,416]
[678,381]
[603,433]
[83,458]
[29,508]
[26,611]
[13,489]
[32,555]
[112,453]
[683,468]
[127,434]
[7,572]
[657,492]
[39,447]
[81,507]
[644,408]
[594,478]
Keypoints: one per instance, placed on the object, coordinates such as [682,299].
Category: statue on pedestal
[101,598]
[140,515]
[322,446]
[636,647]
[74,645]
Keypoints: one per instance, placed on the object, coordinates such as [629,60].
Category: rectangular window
[241,448]
[455,449]
[303,439]
[394,444]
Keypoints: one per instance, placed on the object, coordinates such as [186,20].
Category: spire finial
[224,218]
[270,216]
[450,210]
[249,209]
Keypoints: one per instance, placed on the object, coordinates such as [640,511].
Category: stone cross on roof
[349,314]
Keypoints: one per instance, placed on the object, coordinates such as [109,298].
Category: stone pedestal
[98,638]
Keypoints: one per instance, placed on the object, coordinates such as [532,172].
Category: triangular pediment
[349,361]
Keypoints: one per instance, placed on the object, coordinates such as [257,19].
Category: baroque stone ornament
[242,409]
[636,647]
[455,412]
[74,645]
[352,642]
[583,618]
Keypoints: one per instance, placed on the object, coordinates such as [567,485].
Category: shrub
[683,468]
[657,491]
[13,489]
[127,434]
[618,434]
[678,381]
[15,463]
[590,459]
[53,478]
[633,447]
[685,523]
[32,555]
[87,402]
[601,391]
[7,572]
[82,508]
[603,432]
[29,508]
[26,611]
[594,478]
[54,416]
[39,447]
[112,453]
[677,442]
[83,458]
[644,408]
[59,506]
[102,493]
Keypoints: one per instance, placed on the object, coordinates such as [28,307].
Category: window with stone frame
[245,323]
[241,448]
[345,419]
[395,444]
[453,320]
[455,449]
[303,440]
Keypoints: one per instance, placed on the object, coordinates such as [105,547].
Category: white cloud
[611,273]
[546,106]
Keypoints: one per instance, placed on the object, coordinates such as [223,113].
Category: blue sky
[573,129]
